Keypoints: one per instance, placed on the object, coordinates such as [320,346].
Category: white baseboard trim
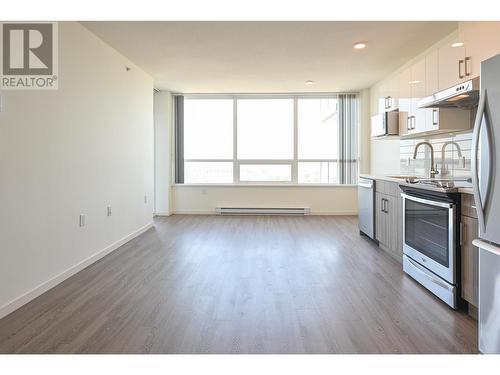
[49,284]
[195,212]
[326,213]
[163,213]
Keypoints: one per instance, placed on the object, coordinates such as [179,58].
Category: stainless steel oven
[430,243]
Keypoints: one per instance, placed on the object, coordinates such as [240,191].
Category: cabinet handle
[435,117]
[408,123]
[382,205]
[386,206]
[383,209]
[468,72]
[460,63]
[389,104]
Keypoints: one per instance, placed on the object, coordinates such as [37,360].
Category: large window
[275,139]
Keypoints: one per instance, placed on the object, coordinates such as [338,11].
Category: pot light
[457,44]
[360,45]
[413,82]
[309,83]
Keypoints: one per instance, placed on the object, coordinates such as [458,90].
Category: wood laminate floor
[214,284]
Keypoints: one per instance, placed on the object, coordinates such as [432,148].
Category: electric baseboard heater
[263,211]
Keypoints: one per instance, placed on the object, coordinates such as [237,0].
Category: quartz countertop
[400,180]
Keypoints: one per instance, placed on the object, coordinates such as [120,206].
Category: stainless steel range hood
[464,95]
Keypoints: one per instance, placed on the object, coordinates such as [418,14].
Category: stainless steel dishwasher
[366,203]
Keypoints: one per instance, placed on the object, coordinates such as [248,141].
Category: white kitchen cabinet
[431,73]
[481,41]
[388,95]
[393,95]
[417,92]
[404,101]
[451,64]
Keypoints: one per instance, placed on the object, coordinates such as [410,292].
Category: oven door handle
[427,201]
[429,275]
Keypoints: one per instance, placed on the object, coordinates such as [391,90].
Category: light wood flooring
[214,284]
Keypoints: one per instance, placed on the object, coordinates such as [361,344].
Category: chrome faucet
[433,172]
[444,171]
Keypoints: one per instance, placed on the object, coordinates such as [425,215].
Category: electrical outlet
[108,211]
[82,220]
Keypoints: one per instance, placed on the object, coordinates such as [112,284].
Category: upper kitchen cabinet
[451,64]
[388,95]
[431,73]
[404,101]
[411,88]
[417,91]
[481,41]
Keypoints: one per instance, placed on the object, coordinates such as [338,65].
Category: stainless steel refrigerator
[486,185]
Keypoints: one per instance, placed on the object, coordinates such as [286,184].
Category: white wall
[70,151]
[163,106]
[326,200]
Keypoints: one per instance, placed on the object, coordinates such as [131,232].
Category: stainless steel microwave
[386,123]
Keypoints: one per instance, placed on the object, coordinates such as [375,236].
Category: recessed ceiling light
[457,44]
[309,82]
[359,45]
[413,82]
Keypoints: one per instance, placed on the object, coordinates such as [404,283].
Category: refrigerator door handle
[480,202]
[486,246]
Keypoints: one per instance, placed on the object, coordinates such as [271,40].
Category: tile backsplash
[454,165]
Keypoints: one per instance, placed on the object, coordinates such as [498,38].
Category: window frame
[292,162]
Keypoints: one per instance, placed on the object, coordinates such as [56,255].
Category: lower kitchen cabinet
[388,218]
[470,260]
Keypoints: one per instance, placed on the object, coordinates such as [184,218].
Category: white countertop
[464,190]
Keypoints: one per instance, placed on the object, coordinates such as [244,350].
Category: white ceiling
[238,57]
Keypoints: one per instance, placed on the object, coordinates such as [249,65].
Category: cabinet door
[392,93]
[431,73]
[394,234]
[470,260]
[382,97]
[380,219]
[481,41]
[432,119]
[417,87]
[404,93]
[451,65]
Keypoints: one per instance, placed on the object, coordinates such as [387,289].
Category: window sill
[268,185]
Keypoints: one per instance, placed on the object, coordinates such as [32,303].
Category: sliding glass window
[266,139]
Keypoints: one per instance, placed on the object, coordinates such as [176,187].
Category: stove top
[445,185]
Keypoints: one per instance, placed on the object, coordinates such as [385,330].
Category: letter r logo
[27,48]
